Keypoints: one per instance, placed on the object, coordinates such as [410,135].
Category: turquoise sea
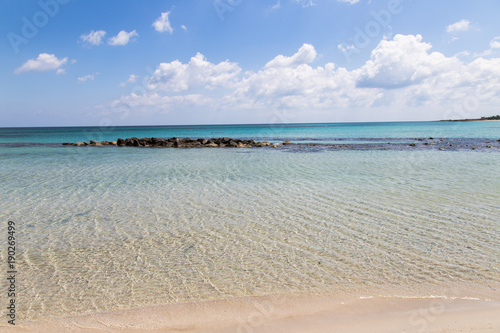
[107,228]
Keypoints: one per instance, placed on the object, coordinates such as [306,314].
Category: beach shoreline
[291,313]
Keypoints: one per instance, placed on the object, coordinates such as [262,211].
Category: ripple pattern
[105,230]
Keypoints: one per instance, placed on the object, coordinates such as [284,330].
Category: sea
[353,210]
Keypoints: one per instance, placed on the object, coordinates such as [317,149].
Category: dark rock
[135,142]
[144,142]
[67,144]
[180,143]
[412,145]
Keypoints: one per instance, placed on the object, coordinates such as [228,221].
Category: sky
[151,62]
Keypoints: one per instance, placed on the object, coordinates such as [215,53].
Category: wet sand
[287,314]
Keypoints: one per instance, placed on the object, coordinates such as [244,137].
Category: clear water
[324,132]
[111,228]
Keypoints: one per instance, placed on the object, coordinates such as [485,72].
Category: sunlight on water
[103,229]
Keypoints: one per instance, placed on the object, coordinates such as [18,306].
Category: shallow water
[110,228]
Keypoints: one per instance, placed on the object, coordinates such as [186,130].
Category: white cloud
[305,55]
[402,74]
[156,102]
[352,2]
[494,46]
[495,43]
[44,62]
[183,27]
[176,76]
[90,77]
[306,3]
[277,5]
[93,37]
[462,25]
[123,38]
[400,62]
[309,3]
[162,23]
[131,79]
[346,48]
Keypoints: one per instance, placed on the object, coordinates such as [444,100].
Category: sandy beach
[287,314]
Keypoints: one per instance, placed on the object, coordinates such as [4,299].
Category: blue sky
[110,63]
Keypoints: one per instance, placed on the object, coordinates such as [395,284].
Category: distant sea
[107,228]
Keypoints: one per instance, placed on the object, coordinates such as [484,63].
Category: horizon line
[231,124]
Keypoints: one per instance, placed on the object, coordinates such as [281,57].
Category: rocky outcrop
[177,143]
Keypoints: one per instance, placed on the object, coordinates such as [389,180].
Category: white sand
[287,314]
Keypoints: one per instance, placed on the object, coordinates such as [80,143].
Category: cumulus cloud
[402,74]
[131,79]
[162,23]
[123,38]
[44,62]
[93,37]
[495,43]
[403,61]
[494,46]
[305,55]
[176,76]
[462,25]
